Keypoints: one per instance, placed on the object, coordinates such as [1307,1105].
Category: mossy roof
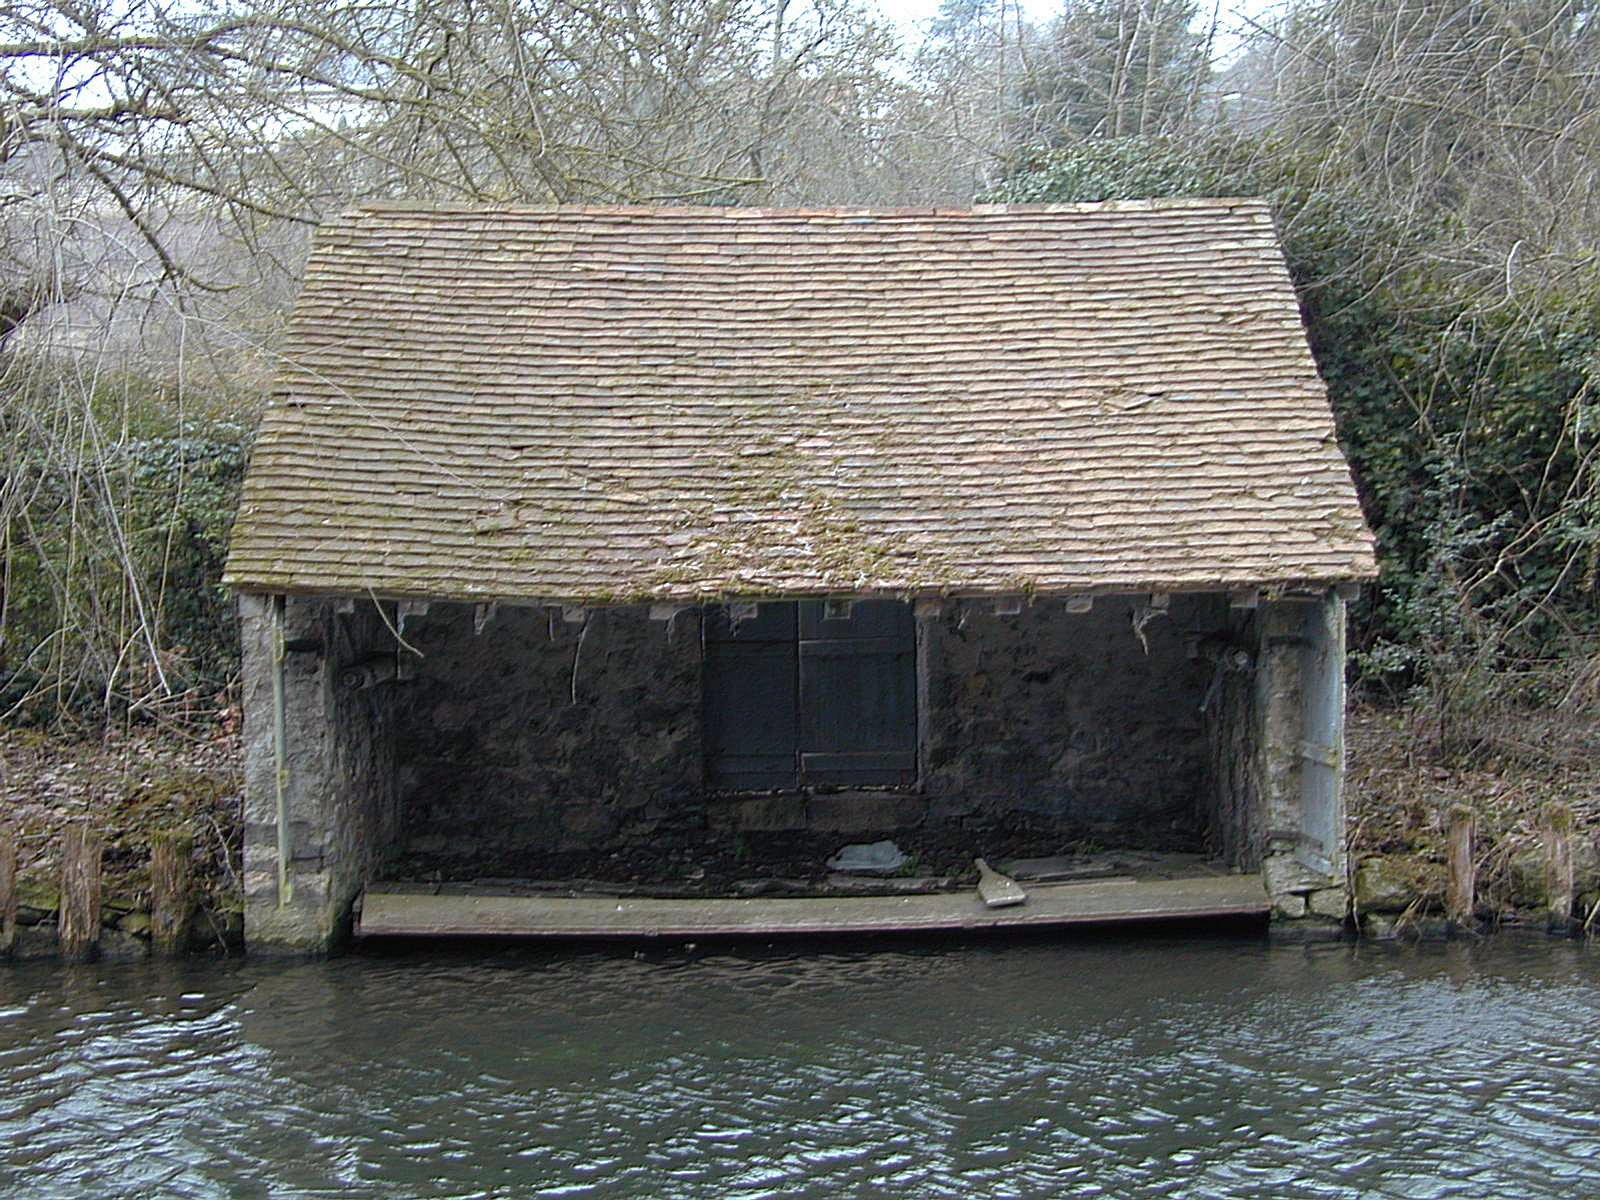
[609,404]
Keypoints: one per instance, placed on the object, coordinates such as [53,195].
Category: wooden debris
[78,928]
[1060,868]
[995,889]
[171,893]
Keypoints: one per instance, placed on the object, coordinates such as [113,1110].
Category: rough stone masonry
[525,730]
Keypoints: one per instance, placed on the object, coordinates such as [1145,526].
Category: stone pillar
[1299,706]
[337,781]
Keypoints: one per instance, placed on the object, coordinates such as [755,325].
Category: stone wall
[1231,808]
[339,786]
[535,734]
[538,734]
[1067,717]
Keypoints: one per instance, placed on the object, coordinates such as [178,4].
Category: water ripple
[1127,1069]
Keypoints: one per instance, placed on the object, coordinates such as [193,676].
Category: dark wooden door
[752,738]
[794,695]
[858,695]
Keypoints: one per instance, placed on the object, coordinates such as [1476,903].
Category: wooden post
[171,892]
[1461,895]
[78,921]
[1555,835]
[8,893]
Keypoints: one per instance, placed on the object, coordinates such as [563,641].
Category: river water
[1123,1068]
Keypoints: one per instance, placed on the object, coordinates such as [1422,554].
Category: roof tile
[602,404]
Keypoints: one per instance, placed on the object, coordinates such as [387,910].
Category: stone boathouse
[571,530]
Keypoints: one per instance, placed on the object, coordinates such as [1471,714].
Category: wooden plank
[402,914]
[1058,868]
[78,928]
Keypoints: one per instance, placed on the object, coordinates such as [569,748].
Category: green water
[1125,1068]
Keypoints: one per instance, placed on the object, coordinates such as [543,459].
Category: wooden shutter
[751,726]
[858,694]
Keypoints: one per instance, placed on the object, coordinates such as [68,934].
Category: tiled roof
[613,404]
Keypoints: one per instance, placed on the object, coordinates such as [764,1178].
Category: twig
[577,654]
[391,627]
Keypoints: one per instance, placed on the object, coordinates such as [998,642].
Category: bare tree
[1481,122]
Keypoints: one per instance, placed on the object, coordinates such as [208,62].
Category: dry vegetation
[1400,789]
[125,784]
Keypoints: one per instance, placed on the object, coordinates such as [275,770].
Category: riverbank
[1513,775]
[127,786]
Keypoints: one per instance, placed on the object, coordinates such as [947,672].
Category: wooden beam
[482,614]
[1461,889]
[8,893]
[78,920]
[406,609]
[171,892]
[1555,836]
